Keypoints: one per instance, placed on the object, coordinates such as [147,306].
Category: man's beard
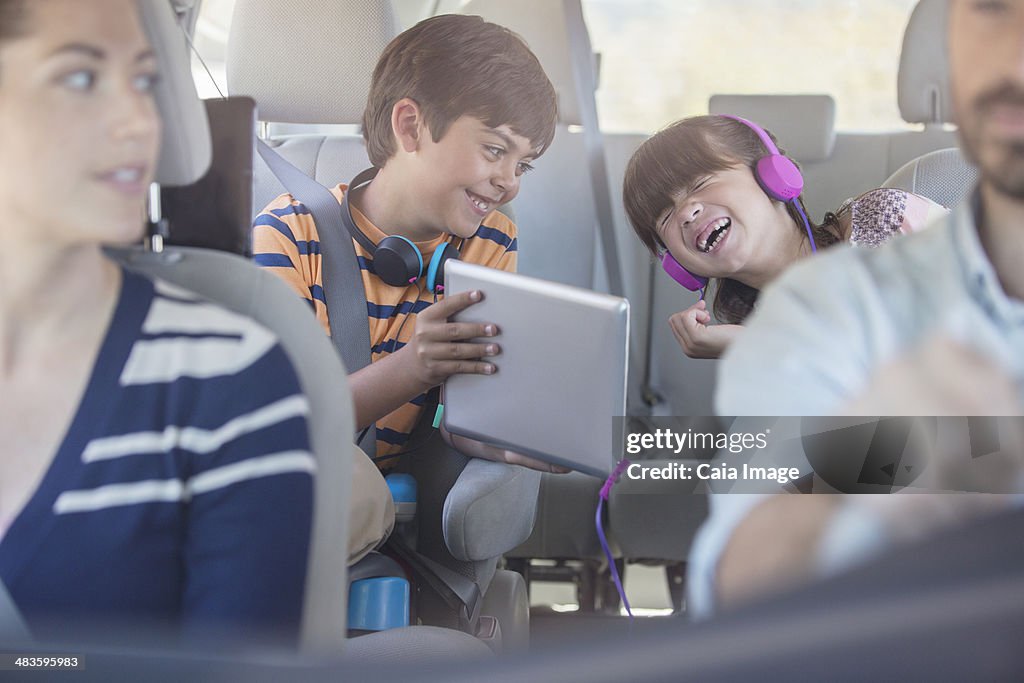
[1002,167]
[1001,163]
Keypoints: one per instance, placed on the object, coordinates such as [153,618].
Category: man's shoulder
[829,317]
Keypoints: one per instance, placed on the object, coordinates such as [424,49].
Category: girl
[716,199]
[154,457]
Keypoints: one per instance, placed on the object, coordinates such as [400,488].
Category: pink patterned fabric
[877,216]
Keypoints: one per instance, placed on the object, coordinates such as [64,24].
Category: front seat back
[240,286]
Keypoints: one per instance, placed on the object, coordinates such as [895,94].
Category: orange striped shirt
[286,241]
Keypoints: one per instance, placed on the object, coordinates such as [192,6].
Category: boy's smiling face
[472,170]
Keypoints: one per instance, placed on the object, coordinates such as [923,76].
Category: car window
[662,59]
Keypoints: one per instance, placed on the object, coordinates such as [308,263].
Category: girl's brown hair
[676,158]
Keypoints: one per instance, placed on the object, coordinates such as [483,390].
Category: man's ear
[407,124]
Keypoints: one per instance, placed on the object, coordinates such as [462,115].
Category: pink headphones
[780,179]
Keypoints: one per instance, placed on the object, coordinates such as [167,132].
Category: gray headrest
[804,125]
[542,24]
[923,83]
[185,150]
[307,61]
[944,176]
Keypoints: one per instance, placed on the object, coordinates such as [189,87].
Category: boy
[458,108]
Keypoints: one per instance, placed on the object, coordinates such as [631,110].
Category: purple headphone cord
[606,490]
[807,224]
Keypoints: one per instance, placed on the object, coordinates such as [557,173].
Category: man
[929,325]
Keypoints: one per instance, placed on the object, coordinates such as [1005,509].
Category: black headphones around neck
[396,259]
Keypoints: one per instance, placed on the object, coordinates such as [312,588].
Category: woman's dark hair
[677,157]
[12,19]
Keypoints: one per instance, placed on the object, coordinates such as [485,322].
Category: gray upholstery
[803,124]
[923,82]
[943,176]
[327,159]
[441,474]
[13,629]
[654,526]
[542,24]
[185,149]
[862,161]
[684,385]
[637,265]
[241,286]
[556,216]
[509,603]
[416,645]
[565,508]
[476,521]
[307,61]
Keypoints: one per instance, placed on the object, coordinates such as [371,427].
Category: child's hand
[437,347]
[697,337]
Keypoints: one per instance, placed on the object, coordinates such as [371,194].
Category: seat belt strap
[12,626]
[343,283]
[459,592]
[582,59]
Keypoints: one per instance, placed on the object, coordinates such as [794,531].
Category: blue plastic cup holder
[378,604]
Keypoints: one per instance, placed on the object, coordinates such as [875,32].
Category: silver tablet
[561,372]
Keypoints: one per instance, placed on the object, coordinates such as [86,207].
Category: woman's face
[79,131]
[722,225]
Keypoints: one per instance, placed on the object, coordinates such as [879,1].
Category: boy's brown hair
[454,65]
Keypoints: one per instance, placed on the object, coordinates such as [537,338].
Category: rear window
[663,59]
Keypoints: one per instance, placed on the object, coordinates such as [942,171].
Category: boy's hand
[438,348]
[479,449]
[697,337]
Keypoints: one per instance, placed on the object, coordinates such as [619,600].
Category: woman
[155,461]
[693,190]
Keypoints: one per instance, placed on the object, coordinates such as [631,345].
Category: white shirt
[828,323]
